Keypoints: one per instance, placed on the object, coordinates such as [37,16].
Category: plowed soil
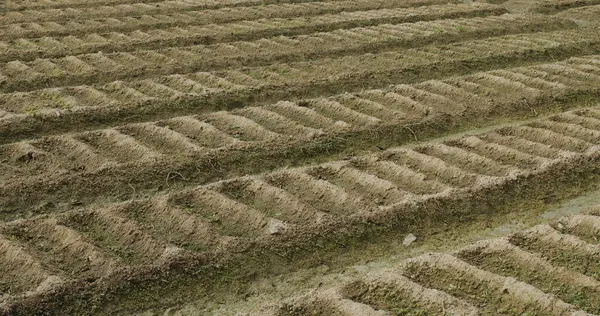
[549,269]
[299,157]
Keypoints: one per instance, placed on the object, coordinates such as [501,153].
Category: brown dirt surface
[218,157]
[512,275]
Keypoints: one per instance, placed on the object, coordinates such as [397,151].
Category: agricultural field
[521,272]
[299,157]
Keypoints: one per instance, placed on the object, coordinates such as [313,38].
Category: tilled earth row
[153,151]
[291,208]
[550,269]
[208,145]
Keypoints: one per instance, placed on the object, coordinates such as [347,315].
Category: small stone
[409,239]
[277,228]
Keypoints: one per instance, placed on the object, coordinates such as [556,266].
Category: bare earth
[299,157]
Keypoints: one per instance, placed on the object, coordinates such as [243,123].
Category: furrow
[554,6]
[591,113]
[213,82]
[143,99]
[467,160]
[501,85]
[340,113]
[238,216]
[586,61]
[588,69]
[197,84]
[155,90]
[486,277]
[501,257]
[102,66]
[210,13]
[569,72]
[432,101]
[376,190]
[273,201]
[349,308]
[161,139]
[559,79]
[105,66]
[399,102]
[53,4]
[327,303]
[216,156]
[211,25]
[122,92]
[22,159]
[120,147]
[493,293]
[278,123]
[436,168]
[584,226]
[74,153]
[177,225]
[306,116]
[534,82]
[405,178]
[390,291]
[560,249]
[452,90]
[571,130]
[113,233]
[540,135]
[63,249]
[586,15]
[227,216]
[241,127]
[527,146]
[377,111]
[320,194]
[463,90]
[207,4]
[503,154]
[20,271]
[136,154]
[200,132]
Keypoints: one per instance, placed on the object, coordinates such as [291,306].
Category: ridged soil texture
[173,140]
[235,214]
[503,276]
